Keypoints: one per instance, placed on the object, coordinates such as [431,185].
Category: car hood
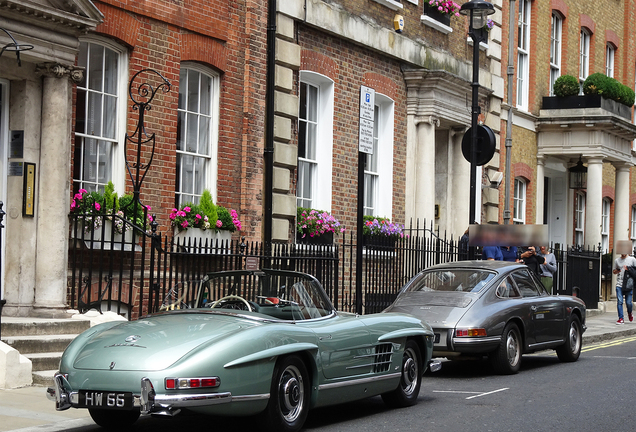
[156,342]
[438,309]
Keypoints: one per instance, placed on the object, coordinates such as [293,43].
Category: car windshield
[462,280]
[282,295]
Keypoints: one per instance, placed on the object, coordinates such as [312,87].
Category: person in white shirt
[548,268]
[620,265]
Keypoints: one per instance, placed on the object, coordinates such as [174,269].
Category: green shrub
[207,207]
[226,219]
[566,85]
[609,88]
[597,83]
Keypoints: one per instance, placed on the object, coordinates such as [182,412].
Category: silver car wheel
[575,338]
[410,372]
[291,393]
[512,348]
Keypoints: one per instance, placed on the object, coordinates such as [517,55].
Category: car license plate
[105,399]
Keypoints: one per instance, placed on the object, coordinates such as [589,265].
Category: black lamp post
[477,11]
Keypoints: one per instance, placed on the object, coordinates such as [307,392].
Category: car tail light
[186,383]
[470,332]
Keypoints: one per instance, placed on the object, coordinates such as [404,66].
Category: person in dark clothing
[509,253]
[530,258]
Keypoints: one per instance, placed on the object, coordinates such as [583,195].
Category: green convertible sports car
[243,343]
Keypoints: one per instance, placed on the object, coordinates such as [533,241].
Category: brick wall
[352,66]
[229,37]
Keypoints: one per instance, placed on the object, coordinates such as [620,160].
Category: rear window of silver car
[460,280]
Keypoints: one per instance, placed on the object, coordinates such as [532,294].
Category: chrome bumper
[434,365]
[151,403]
[147,401]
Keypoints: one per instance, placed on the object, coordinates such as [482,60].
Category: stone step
[44,378]
[41,326]
[39,344]
[44,361]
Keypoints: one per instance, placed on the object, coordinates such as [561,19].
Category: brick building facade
[575,38]
[71,99]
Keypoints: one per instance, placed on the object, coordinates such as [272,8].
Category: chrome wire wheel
[291,393]
[410,372]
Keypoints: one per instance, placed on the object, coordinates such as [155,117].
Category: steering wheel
[232,297]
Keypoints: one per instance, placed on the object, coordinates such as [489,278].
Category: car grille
[383,355]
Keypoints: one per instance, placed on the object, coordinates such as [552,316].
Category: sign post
[365,146]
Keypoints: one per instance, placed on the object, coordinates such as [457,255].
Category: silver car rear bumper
[147,400]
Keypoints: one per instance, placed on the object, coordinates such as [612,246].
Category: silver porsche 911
[493,308]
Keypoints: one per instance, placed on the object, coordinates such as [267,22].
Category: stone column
[593,203]
[459,173]
[621,203]
[53,197]
[425,169]
[540,190]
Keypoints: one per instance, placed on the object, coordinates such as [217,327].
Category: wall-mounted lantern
[578,176]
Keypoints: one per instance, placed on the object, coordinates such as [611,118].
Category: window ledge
[482,45]
[428,21]
[391,4]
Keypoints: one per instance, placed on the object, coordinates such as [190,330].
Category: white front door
[557,208]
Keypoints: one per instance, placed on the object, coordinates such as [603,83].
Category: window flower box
[435,14]
[586,101]
[324,239]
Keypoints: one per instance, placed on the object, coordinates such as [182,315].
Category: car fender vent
[383,357]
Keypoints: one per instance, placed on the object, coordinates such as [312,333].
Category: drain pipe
[510,72]
[269,126]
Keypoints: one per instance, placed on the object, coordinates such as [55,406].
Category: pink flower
[198,216]
[82,191]
[181,213]
[78,196]
[98,207]
[187,209]
[219,224]
[184,224]
[73,205]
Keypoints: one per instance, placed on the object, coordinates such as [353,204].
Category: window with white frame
[197,133]
[100,117]
[605,225]
[378,167]
[584,55]
[555,50]
[579,219]
[315,141]
[609,60]
[523,54]
[633,227]
[519,202]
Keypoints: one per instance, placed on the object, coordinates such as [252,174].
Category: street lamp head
[477,11]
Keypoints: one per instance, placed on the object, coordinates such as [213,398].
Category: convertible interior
[279,294]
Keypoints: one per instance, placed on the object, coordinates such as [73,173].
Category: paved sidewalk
[28,409]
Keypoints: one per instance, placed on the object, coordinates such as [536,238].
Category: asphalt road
[594,394]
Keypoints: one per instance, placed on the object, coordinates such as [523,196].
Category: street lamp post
[477,11]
